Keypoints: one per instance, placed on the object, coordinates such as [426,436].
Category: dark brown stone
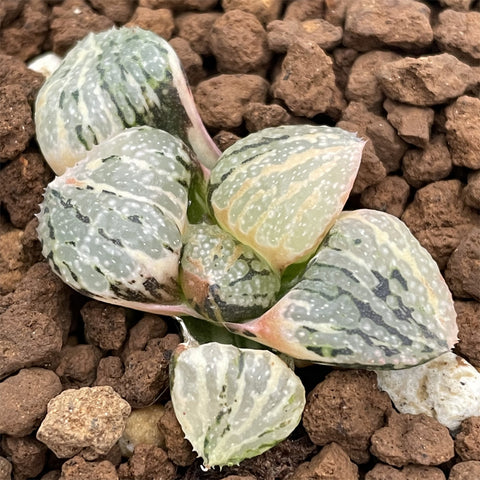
[346,408]
[439,218]
[372,24]
[417,439]
[239,43]
[306,91]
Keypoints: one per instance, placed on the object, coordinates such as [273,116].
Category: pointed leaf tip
[101,88]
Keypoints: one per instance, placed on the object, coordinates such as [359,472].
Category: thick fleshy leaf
[371,297]
[111,226]
[223,279]
[234,403]
[280,189]
[111,81]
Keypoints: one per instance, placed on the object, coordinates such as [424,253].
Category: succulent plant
[250,249]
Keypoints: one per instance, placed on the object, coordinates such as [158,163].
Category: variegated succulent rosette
[248,244]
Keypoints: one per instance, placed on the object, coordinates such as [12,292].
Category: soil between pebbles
[404,74]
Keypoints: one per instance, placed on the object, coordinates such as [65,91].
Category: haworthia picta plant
[111,81]
[278,190]
[223,279]
[112,225]
[234,403]
[371,297]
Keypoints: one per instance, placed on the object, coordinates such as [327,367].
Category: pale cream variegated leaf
[234,403]
[372,296]
[280,189]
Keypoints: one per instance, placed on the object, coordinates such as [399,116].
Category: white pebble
[446,388]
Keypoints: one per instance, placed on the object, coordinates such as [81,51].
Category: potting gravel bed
[403,74]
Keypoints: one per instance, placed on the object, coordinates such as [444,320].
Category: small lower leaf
[234,403]
[372,296]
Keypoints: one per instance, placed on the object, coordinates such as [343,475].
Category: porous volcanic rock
[221,100]
[265,11]
[159,21]
[426,81]
[413,124]
[196,28]
[16,123]
[332,461]
[459,33]
[389,195]
[463,267]
[88,420]
[439,218]
[77,366]
[177,446]
[465,470]
[77,467]
[463,131]
[468,321]
[472,190]
[24,400]
[105,325]
[363,85]
[281,34]
[305,91]
[71,21]
[147,462]
[119,11]
[372,24]
[239,43]
[28,455]
[402,441]
[144,375]
[429,164]
[346,408]
[467,442]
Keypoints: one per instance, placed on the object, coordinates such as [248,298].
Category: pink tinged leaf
[371,297]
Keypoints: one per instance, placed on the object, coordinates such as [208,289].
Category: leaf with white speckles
[111,226]
[372,296]
[280,189]
[223,279]
[111,81]
[234,403]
